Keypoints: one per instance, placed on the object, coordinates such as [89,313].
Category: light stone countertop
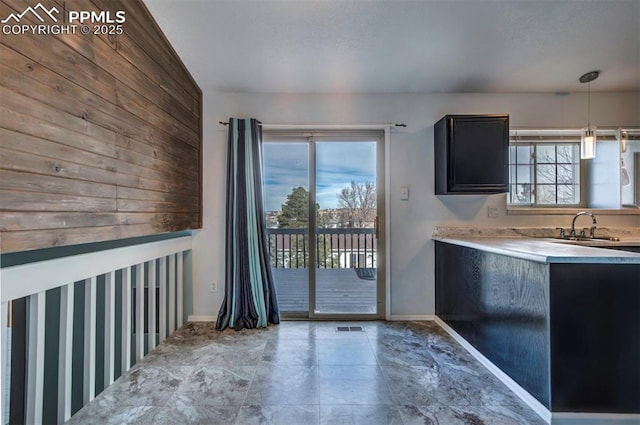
[546,250]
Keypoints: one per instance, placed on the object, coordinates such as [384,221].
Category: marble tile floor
[304,373]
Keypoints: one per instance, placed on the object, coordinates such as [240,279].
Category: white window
[544,173]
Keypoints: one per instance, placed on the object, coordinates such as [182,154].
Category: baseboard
[520,392]
[193,318]
[594,419]
[412,317]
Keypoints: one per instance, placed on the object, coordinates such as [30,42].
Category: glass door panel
[286,203]
[346,202]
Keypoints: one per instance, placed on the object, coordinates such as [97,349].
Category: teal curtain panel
[250,298]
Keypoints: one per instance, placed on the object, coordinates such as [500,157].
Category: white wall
[628,192]
[604,176]
[411,162]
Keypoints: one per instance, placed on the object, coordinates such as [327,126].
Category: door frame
[379,134]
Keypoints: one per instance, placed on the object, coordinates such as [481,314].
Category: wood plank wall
[100,135]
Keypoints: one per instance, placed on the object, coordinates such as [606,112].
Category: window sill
[568,211]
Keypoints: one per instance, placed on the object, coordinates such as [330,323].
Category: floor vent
[349,328]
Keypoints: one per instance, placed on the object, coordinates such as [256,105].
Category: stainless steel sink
[588,238]
[606,242]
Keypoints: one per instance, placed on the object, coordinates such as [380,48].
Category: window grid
[521,156]
[553,177]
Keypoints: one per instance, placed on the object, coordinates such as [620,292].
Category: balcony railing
[98,313]
[335,248]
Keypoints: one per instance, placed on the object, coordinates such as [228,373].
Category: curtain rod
[612,133]
[324,126]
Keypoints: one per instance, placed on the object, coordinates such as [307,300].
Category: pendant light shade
[588,139]
[625,179]
[588,143]
[623,138]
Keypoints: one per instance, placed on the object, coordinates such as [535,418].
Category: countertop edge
[578,256]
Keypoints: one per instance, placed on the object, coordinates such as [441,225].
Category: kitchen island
[561,320]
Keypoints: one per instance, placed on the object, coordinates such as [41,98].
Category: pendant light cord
[588,105]
[588,78]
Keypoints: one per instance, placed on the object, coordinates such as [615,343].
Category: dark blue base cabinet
[569,334]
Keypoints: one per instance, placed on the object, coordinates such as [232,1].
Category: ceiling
[427,46]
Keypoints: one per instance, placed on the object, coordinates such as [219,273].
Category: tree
[357,203]
[295,215]
[295,211]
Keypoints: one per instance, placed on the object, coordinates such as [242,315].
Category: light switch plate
[404,193]
[493,212]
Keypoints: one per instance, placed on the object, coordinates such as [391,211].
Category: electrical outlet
[493,212]
[213,287]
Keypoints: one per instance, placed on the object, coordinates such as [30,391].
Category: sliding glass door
[286,198]
[322,203]
[345,230]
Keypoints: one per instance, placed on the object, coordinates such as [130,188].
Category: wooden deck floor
[337,291]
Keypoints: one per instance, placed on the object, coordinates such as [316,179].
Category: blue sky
[286,166]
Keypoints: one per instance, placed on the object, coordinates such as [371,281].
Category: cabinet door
[478,154]
[471,154]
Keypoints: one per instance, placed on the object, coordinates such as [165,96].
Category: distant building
[329,218]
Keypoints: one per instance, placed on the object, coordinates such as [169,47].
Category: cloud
[286,166]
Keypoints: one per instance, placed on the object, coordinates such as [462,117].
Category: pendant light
[623,138]
[588,138]
[625,179]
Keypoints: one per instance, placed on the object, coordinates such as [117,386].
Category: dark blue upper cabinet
[471,154]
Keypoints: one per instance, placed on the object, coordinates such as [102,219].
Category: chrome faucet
[592,230]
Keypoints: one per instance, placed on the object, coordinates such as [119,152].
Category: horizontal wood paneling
[100,136]
[51,89]
[59,220]
[29,124]
[149,195]
[153,115]
[49,52]
[38,201]
[19,241]
[149,160]
[32,163]
[184,108]
[29,182]
[155,45]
